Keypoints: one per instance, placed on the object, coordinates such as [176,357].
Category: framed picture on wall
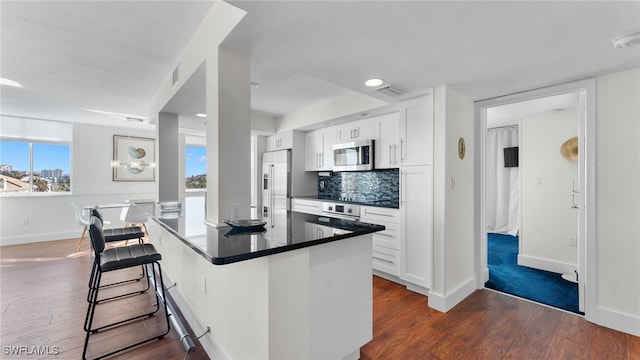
[133,158]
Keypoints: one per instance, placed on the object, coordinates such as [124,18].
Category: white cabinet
[387,146]
[319,149]
[280,141]
[386,247]
[416,131]
[357,130]
[306,206]
[416,227]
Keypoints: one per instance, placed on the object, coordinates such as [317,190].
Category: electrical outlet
[25,221]
[236,211]
[573,241]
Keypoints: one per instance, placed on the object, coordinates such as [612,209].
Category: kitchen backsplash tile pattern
[378,187]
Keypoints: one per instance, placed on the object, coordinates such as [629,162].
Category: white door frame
[587,175]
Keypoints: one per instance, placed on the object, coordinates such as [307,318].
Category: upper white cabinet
[280,141]
[356,130]
[416,131]
[387,146]
[319,149]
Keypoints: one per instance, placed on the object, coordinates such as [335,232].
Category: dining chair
[137,215]
[82,222]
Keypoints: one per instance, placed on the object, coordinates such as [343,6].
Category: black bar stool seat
[123,233]
[128,256]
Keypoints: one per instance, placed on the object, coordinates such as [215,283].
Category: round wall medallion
[461,148]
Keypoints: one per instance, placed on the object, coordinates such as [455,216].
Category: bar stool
[121,233]
[114,235]
[118,258]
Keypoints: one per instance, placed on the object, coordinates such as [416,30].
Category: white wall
[453,272]
[50,216]
[618,201]
[547,219]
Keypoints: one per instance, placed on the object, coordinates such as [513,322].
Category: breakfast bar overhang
[303,290]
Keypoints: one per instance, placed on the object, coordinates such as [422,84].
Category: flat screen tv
[511,157]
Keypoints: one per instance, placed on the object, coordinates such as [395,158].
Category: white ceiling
[112,56]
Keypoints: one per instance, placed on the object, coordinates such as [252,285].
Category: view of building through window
[30,167]
[195,167]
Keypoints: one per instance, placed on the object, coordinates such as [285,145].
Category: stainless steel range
[343,211]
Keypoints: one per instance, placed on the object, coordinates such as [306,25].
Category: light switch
[539,181]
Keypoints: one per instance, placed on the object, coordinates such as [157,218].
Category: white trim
[447,302]
[35,238]
[617,321]
[546,264]
[417,289]
[587,175]
[208,342]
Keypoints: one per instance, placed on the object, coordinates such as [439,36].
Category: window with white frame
[35,156]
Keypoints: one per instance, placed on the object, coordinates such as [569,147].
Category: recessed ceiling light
[626,40]
[374,82]
[11,83]
[254,85]
[201,115]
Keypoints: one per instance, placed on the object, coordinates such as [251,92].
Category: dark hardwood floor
[43,289]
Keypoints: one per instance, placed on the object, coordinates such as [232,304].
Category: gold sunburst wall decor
[462,148]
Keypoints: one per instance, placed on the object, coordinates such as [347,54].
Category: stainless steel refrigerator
[276,192]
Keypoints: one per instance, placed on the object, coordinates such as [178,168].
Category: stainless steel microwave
[353,156]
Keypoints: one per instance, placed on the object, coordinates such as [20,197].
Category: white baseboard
[35,238]
[209,344]
[629,324]
[447,302]
[546,264]
[411,287]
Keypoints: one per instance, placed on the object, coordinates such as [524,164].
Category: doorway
[559,239]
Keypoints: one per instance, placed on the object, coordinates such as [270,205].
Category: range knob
[349,210]
[330,208]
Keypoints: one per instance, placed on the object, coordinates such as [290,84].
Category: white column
[228,136]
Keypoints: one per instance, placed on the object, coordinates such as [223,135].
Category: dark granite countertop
[225,245]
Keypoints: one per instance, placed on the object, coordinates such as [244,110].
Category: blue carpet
[507,276]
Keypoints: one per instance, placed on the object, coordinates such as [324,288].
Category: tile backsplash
[373,187]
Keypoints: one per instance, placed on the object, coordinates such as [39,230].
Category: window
[34,167]
[195,167]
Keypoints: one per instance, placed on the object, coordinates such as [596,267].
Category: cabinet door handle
[395,154]
[383,234]
[385,260]
[401,150]
[390,158]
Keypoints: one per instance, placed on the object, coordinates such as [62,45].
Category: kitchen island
[301,290]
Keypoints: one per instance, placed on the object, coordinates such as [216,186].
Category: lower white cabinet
[306,206]
[385,260]
[385,243]
[416,228]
